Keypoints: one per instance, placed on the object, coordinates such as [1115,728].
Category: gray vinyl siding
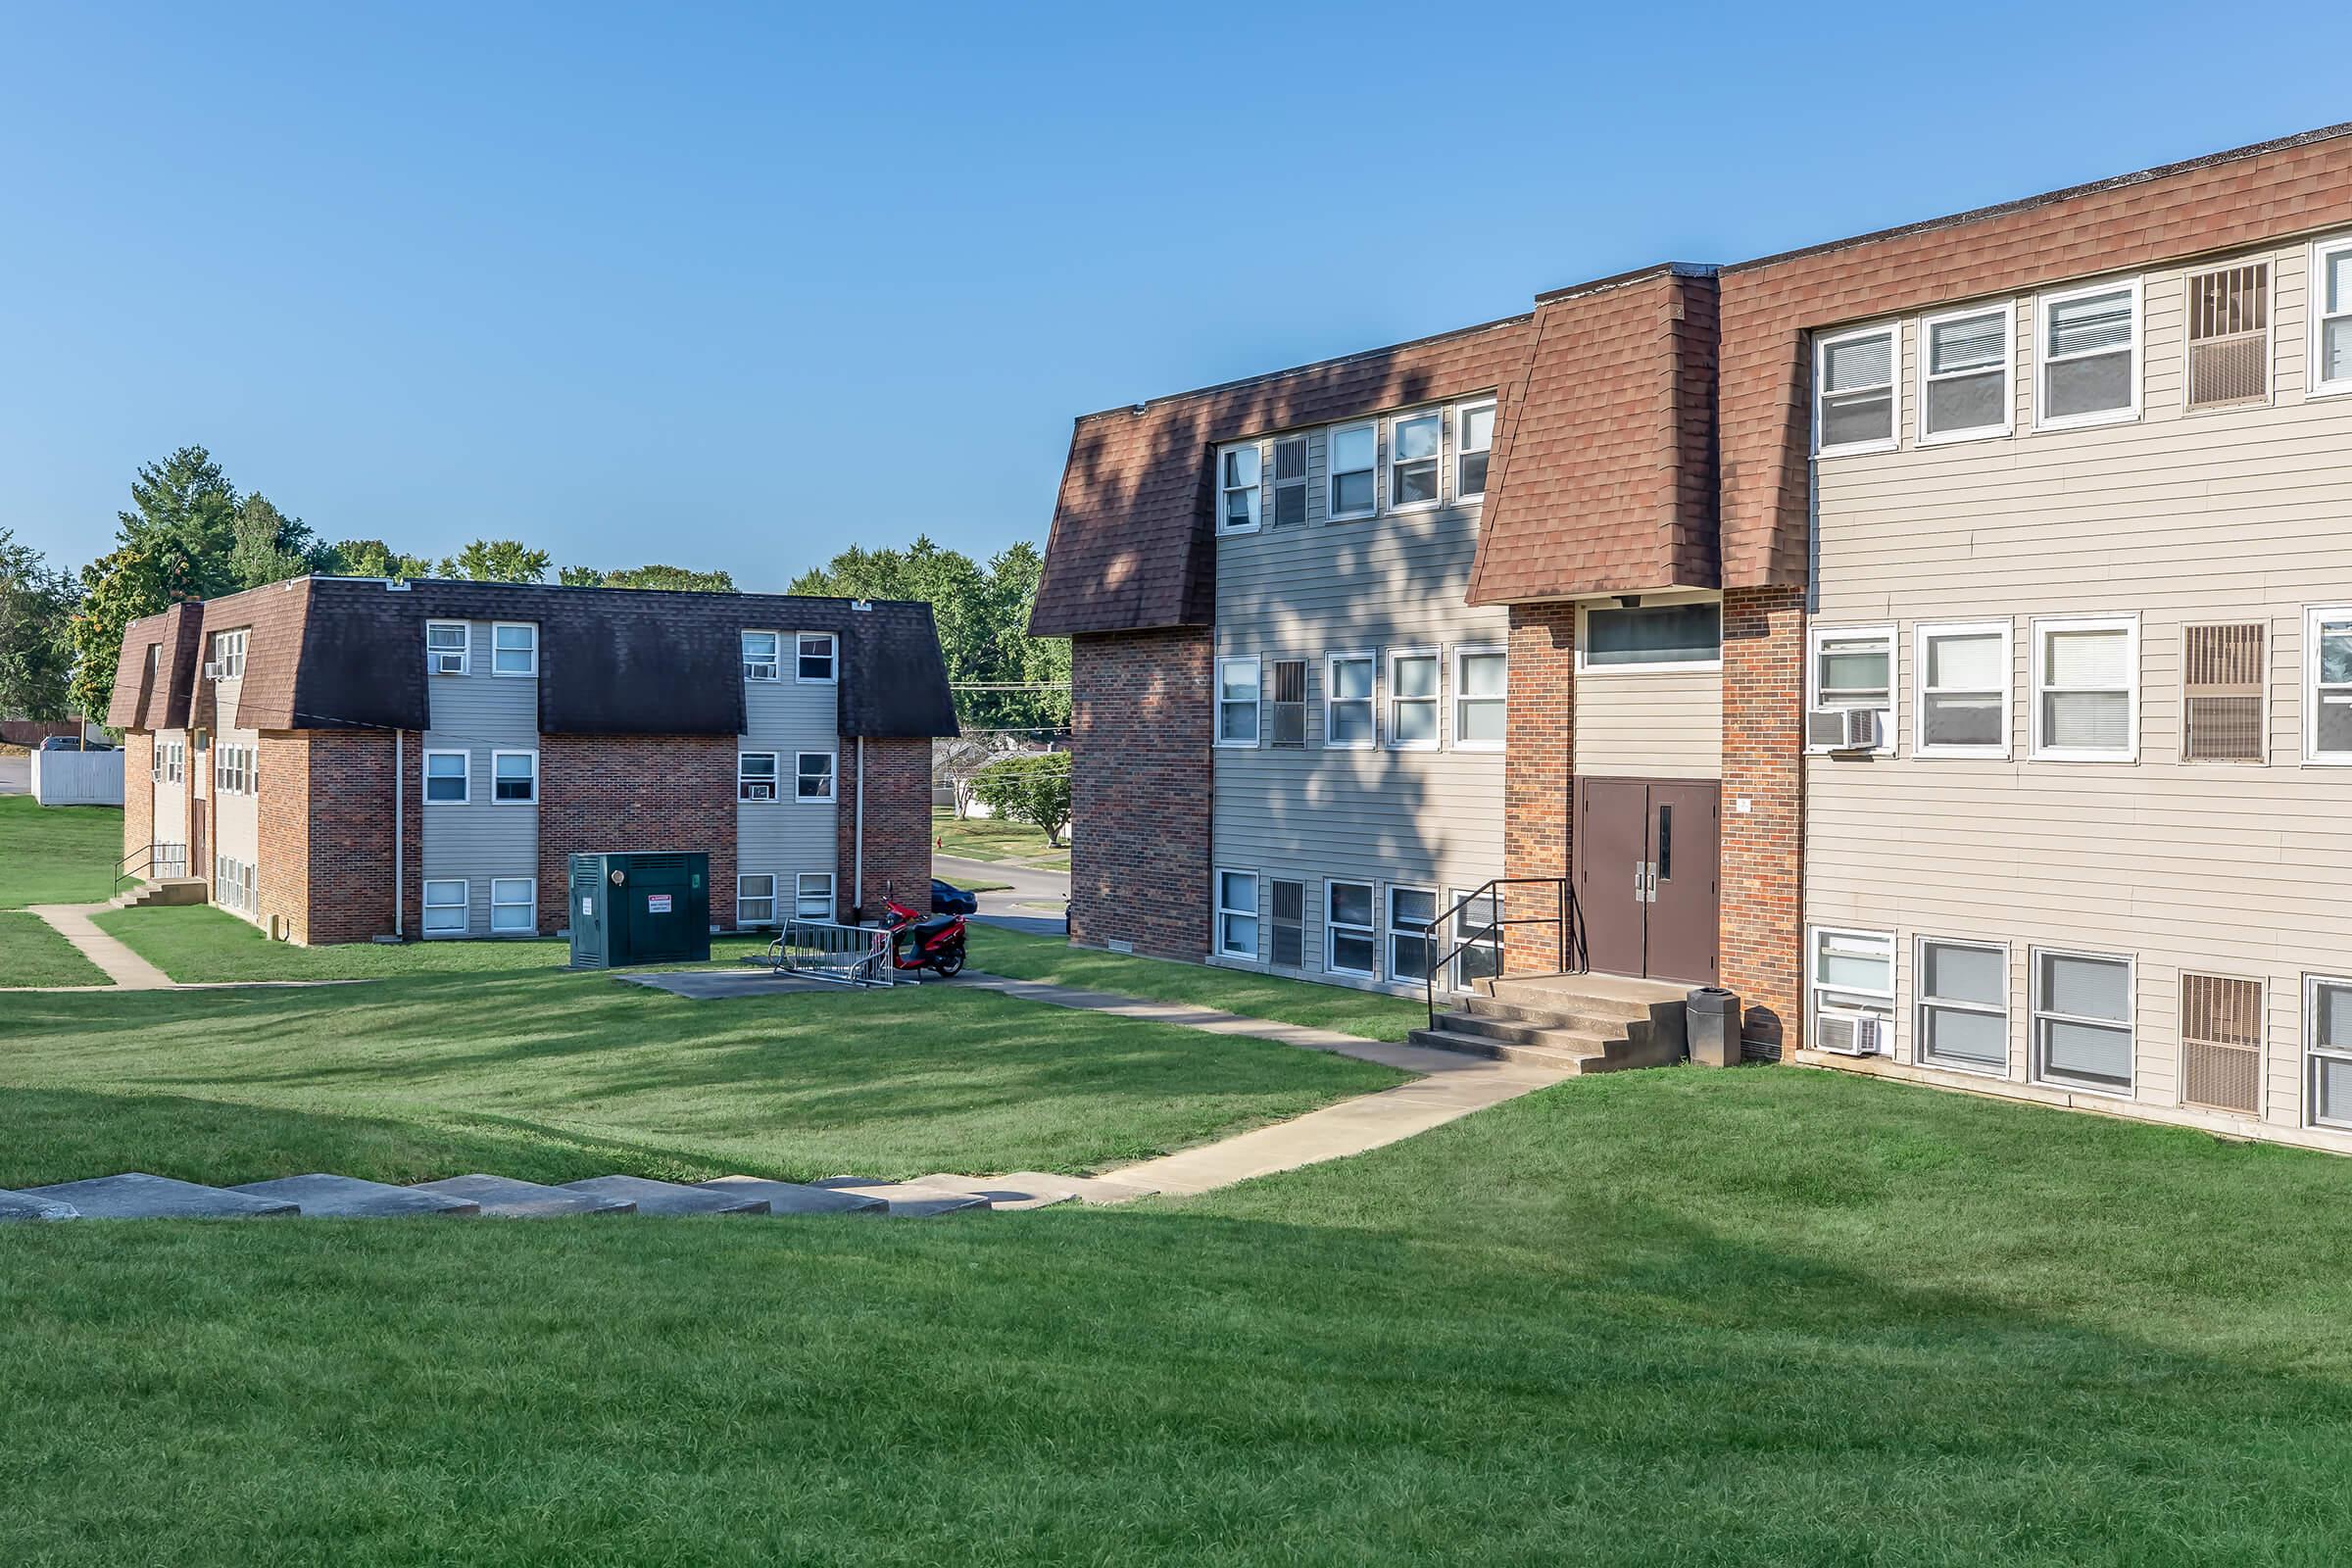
[479,713]
[1650,723]
[1415,818]
[788,836]
[2181,518]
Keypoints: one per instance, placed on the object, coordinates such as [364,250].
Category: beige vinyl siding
[1650,724]
[1415,818]
[171,799]
[2180,518]
[236,817]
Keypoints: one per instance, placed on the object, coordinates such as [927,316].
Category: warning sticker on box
[657,904]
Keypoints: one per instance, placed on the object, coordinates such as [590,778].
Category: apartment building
[292,745]
[1930,636]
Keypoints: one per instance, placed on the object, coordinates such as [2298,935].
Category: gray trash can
[1711,1017]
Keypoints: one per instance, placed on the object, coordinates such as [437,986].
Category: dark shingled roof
[346,652]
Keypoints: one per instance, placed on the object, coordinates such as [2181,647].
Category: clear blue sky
[736,286]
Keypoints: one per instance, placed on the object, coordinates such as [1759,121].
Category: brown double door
[1645,876]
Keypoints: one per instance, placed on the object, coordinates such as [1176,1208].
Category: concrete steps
[321,1194]
[1571,1024]
[169,890]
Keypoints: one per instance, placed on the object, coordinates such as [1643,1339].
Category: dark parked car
[66,743]
[949,899]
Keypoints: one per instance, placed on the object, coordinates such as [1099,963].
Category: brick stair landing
[1568,1022]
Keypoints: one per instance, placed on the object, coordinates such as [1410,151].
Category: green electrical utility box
[639,908]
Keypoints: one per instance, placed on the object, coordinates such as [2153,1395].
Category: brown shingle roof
[1131,547]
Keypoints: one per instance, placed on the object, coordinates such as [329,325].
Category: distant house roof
[344,653]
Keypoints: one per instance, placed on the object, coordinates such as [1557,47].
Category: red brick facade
[282,834]
[1140,796]
[1763,763]
[1541,749]
[897,826]
[138,794]
[636,792]
[341,783]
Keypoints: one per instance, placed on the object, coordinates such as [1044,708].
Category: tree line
[191,534]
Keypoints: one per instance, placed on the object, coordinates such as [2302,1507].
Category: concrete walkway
[1452,1086]
[125,969]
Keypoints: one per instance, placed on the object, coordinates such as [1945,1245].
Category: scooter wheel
[948,965]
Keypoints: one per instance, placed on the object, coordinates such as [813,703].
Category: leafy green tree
[185,520]
[36,612]
[267,546]
[580,577]
[372,557]
[498,561]
[117,588]
[1034,789]
[676,578]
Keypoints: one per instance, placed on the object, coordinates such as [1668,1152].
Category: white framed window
[1413,699]
[1478,933]
[1964,361]
[1854,399]
[1414,440]
[2327,686]
[755,776]
[1351,942]
[1290,481]
[1627,637]
[2331,318]
[818,661]
[232,769]
[812,896]
[157,752]
[445,908]
[754,899]
[1286,925]
[1475,424]
[229,656]
[1961,673]
[1412,949]
[1237,701]
[761,659]
[448,647]
[2082,1020]
[1354,460]
[812,776]
[513,778]
[1851,976]
[1962,1015]
[447,776]
[513,907]
[175,768]
[1481,698]
[1851,668]
[2328,1050]
[2086,689]
[2089,359]
[1238,494]
[514,648]
[1348,701]
[1237,914]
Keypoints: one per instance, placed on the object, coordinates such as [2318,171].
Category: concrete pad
[1003,1191]
[1085,1189]
[716,985]
[15,1207]
[791,1198]
[906,1199]
[669,1197]
[503,1197]
[322,1196]
[136,1195]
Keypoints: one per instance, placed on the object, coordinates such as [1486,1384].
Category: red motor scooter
[918,940]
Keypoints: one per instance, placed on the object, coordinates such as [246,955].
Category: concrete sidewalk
[125,969]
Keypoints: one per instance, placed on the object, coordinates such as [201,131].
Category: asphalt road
[16,775]
[1018,908]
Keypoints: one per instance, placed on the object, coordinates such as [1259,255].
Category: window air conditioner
[759,792]
[449,664]
[1849,1033]
[1845,729]
[212,669]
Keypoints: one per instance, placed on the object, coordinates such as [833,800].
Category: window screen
[1857,390]
[2083,1019]
[1963,686]
[2087,682]
[1966,374]
[2087,355]
[1962,1005]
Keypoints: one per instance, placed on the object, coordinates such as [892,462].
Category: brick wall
[898,825]
[345,836]
[138,793]
[1140,796]
[1763,756]
[1540,750]
[282,832]
[635,792]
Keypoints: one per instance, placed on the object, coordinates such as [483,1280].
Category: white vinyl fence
[78,778]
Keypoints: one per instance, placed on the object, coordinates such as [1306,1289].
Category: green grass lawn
[1021,956]
[32,954]
[1674,1317]
[56,853]
[989,838]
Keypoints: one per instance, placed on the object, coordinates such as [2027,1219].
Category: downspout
[400,773]
[858,837]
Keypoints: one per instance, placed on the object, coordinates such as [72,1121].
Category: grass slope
[1667,1318]
[989,838]
[552,1076]
[32,954]
[56,853]
[1021,956]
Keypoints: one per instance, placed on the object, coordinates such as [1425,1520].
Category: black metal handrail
[140,864]
[1565,917]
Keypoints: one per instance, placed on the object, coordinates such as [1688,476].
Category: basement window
[812,776]
[1237,914]
[514,905]
[2327,1043]
[1351,945]
[445,908]
[755,900]
[2083,1021]
[1411,912]
[812,896]
[1963,1015]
